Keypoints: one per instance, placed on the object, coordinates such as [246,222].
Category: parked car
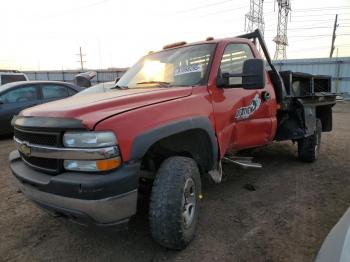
[17,96]
[336,246]
[9,76]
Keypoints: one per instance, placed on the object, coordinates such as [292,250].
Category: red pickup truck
[170,120]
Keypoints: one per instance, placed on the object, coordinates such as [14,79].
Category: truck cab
[169,121]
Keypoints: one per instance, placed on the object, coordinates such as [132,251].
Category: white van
[8,76]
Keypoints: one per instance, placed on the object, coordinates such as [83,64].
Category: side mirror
[253,74]
[252,77]
[1,102]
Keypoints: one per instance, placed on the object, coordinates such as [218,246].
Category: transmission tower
[281,38]
[255,19]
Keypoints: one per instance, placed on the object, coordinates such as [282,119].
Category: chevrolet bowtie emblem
[25,149]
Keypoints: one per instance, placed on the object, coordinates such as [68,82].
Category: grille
[47,165]
[38,138]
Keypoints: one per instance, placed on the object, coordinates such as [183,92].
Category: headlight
[89,139]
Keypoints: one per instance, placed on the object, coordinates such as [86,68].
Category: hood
[91,108]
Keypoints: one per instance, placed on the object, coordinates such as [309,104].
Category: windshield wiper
[161,83]
[119,87]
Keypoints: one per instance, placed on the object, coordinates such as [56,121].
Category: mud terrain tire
[173,213]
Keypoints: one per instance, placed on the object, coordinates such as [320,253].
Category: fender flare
[145,140]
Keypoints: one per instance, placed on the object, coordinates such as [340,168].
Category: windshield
[185,66]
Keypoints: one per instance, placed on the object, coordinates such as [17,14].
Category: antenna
[281,39]
[255,19]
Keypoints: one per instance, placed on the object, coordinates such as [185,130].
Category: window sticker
[188,69]
[246,112]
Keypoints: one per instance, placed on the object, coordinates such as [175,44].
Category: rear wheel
[175,194]
[309,147]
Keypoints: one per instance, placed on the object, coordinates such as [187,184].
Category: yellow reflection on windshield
[153,70]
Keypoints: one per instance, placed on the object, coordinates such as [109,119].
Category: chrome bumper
[103,211]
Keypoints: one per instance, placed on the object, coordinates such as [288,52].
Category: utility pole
[255,17]
[81,61]
[281,39]
[334,35]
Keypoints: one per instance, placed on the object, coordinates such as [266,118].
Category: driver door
[242,118]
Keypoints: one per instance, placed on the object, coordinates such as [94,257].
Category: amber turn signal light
[108,164]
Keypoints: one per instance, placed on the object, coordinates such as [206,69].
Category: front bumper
[89,199]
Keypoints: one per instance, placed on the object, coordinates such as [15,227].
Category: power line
[317,9]
[317,48]
[314,36]
[310,20]
[319,15]
[313,15]
[305,21]
[318,35]
[311,28]
[321,9]
[290,36]
[77,9]
[309,50]
[220,12]
[200,7]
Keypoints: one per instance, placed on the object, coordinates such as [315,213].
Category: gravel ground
[285,219]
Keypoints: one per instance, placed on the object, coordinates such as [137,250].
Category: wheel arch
[192,137]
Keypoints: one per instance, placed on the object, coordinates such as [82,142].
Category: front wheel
[309,147]
[175,194]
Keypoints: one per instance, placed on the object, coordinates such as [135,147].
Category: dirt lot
[285,219]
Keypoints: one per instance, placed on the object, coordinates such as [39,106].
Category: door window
[54,91]
[232,60]
[21,94]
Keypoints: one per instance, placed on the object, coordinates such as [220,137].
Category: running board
[244,162]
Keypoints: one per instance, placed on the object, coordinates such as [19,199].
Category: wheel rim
[189,202]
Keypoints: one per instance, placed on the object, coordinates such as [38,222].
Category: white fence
[68,75]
